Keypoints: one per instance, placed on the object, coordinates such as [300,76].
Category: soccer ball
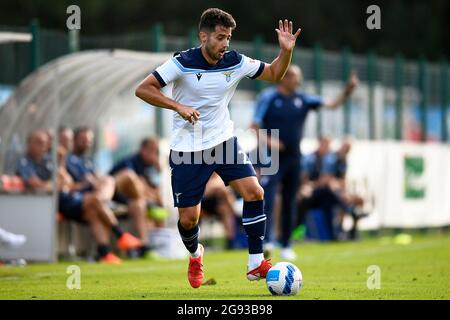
[284,279]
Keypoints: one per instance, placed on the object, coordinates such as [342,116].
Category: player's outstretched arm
[275,71]
[345,94]
[149,90]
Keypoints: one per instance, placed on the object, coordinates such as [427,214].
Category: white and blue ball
[284,279]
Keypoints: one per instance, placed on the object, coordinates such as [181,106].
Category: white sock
[197,253]
[254,260]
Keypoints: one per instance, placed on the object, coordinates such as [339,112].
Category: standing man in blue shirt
[285,109]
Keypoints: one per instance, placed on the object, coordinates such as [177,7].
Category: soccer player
[286,109]
[204,80]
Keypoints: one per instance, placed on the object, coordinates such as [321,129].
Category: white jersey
[207,88]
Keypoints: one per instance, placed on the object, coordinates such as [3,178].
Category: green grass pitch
[420,270]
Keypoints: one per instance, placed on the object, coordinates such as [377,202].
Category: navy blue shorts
[192,170]
[70,205]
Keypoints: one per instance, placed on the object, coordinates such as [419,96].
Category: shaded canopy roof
[76,89]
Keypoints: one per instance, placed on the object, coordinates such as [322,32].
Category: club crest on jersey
[228,75]
[298,102]
[199,75]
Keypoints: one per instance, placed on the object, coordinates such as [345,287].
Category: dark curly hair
[213,17]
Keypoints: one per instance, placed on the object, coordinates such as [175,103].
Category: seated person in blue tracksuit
[336,163]
[81,167]
[35,167]
[82,170]
[144,166]
[36,170]
[335,166]
[88,207]
[316,189]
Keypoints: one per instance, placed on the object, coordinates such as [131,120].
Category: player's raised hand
[188,114]
[285,36]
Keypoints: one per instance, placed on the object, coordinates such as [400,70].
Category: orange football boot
[195,271]
[110,258]
[128,242]
[259,272]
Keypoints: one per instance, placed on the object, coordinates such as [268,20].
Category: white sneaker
[288,254]
[12,240]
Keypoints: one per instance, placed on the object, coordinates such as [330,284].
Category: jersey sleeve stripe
[159,78]
[259,71]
